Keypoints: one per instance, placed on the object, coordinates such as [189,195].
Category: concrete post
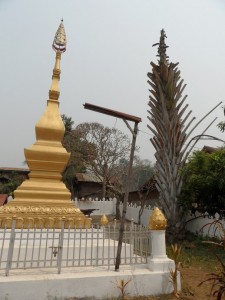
[158,261]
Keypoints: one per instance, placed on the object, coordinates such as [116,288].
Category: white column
[158,261]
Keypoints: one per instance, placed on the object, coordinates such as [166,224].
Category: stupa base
[43,216]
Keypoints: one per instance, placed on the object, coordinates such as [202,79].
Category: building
[3,199]
[87,186]
[147,193]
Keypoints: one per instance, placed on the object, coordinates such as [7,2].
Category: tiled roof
[3,199]
[209,149]
[14,169]
[87,177]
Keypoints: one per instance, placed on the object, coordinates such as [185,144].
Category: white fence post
[11,247]
[159,261]
[60,246]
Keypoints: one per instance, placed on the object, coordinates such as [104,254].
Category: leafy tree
[221,125]
[68,123]
[68,178]
[204,182]
[106,147]
[77,150]
[12,184]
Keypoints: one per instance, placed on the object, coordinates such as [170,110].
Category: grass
[197,254]
[197,260]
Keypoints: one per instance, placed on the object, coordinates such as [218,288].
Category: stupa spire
[59,46]
[43,199]
[50,125]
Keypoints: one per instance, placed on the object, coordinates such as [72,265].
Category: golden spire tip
[59,42]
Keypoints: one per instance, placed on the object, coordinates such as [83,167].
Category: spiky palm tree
[169,131]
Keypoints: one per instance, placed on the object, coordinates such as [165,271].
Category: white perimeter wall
[133,212]
[104,207]
[198,223]
[108,207]
[205,225]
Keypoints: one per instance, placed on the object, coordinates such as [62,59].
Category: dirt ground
[190,278]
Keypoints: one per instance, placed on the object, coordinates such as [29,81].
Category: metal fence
[27,248]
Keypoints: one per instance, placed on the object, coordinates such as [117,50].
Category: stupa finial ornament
[104,220]
[157,220]
[59,42]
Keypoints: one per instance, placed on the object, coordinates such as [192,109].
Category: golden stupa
[43,200]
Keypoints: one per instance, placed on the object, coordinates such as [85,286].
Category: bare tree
[110,145]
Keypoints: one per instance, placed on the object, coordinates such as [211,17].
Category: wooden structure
[146,193]
[136,120]
[87,186]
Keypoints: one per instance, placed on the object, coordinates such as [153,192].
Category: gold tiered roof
[43,199]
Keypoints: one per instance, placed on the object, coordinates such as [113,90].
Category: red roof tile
[3,199]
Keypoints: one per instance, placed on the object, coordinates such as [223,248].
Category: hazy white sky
[108,56]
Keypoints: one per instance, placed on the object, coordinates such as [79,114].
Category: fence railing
[27,248]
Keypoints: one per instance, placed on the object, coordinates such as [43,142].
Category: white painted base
[160,264]
[96,282]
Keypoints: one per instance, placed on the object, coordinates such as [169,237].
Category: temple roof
[3,199]
[209,149]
